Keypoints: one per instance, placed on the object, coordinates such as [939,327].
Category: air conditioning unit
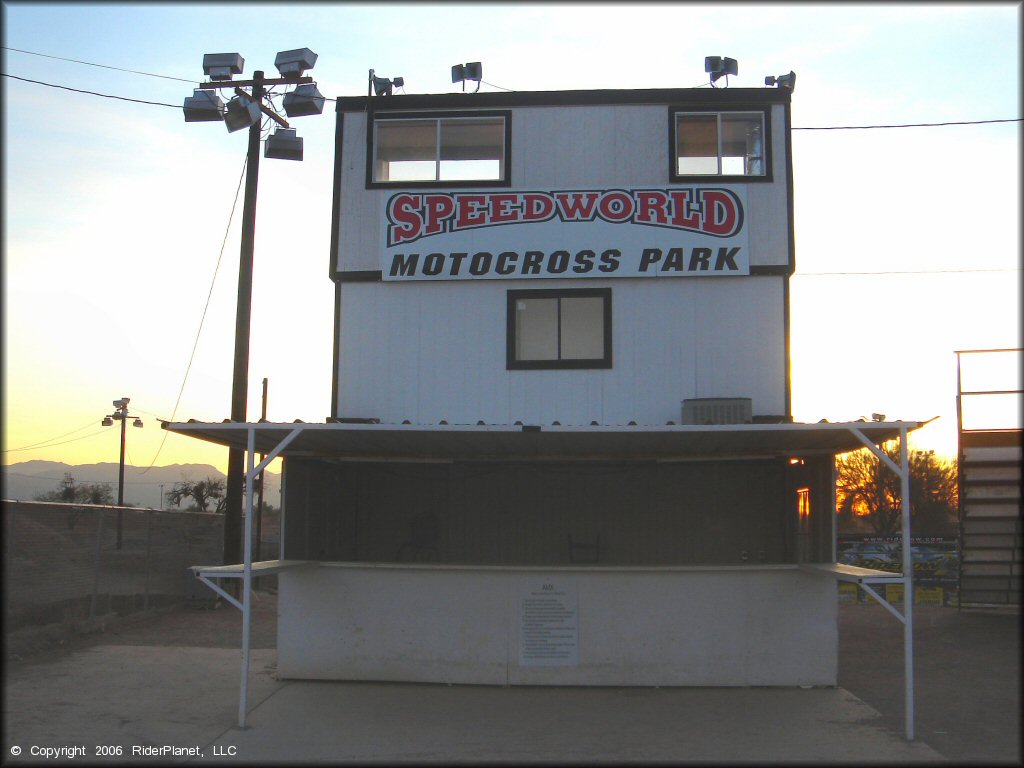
[717,410]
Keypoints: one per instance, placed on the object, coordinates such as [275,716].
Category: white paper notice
[549,634]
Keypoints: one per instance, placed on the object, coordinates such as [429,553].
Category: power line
[92,93]
[91,64]
[202,319]
[82,480]
[908,125]
[795,128]
[52,445]
[42,443]
[909,272]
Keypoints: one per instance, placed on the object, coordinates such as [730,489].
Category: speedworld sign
[666,232]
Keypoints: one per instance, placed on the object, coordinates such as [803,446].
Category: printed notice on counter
[549,634]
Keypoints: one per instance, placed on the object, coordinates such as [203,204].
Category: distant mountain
[142,487]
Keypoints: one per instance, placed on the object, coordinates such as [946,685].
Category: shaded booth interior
[555,513]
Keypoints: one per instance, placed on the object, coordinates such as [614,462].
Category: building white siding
[424,352]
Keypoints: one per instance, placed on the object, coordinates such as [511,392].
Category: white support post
[903,471]
[247,576]
[908,590]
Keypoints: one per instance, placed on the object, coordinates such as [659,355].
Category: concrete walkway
[184,697]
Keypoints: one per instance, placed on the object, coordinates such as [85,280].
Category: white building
[561,449]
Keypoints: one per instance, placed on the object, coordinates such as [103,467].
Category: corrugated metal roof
[456,442]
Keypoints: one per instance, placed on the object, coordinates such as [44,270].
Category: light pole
[120,414]
[246,110]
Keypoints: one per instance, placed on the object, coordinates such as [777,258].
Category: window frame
[374,118]
[604,362]
[711,178]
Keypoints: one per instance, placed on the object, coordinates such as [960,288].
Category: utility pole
[240,381]
[244,110]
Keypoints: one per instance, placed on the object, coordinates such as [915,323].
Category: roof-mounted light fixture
[221,66]
[783,81]
[717,66]
[382,86]
[472,71]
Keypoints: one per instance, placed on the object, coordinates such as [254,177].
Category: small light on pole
[121,414]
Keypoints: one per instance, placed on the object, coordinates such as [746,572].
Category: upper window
[434,149]
[560,329]
[719,144]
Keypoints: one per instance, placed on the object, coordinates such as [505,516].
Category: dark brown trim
[788,132]
[382,115]
[336,355]
[786,361]
[360,276]
[339,135]
[791,254]
[766,140]
[559,293]
[777,270]
[716,97]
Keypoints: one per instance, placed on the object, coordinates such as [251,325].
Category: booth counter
[578,625]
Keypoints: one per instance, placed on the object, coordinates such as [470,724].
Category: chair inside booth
[559,513]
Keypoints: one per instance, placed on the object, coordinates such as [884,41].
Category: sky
[120,266]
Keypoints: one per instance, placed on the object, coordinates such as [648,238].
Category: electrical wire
[91,64]
[92,93]
[910,272]
[795,128]
[63,442]
[43,443]
[499,87]
[80,480]
[908,125]
[199,331]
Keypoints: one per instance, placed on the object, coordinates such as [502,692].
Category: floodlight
[203,106]
[283,144]
[242,112]
[137,423]
[717,66]
[783,81]
[384,87]
[471,71]
[294,63]
[221,66]
[463,72]
[107,422]
[122,402]
[304,100]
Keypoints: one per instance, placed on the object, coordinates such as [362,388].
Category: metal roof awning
[443,442]
[481,442]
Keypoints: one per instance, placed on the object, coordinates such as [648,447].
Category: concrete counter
[571,625]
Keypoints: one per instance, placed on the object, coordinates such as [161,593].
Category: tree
[69,492]
[869,490]
[202,492]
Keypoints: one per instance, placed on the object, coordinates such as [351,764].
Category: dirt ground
[967,665]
